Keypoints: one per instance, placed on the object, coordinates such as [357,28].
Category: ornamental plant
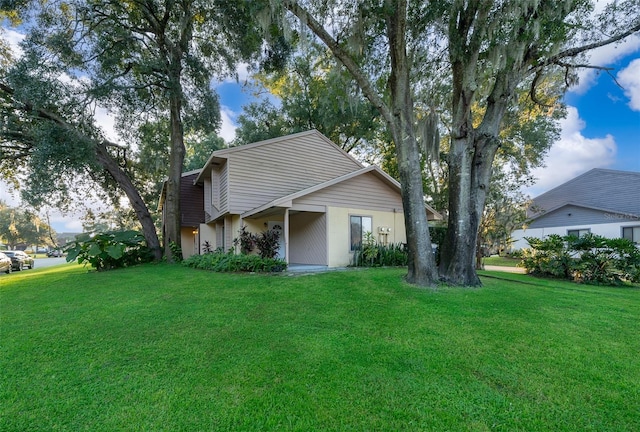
[590,259]
[109,250]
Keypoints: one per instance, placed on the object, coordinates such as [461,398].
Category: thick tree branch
[572,52]
[365,85]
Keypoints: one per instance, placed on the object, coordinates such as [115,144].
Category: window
[632,233]
[579,232]
[360,226]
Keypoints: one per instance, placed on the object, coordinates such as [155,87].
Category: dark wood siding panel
[365,191]
[308,238]
[191,202]
[264,173]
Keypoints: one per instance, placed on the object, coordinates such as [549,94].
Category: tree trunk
[468,186]
[172,203]
[457,263]
[422,268]
[142,212]
[399,117]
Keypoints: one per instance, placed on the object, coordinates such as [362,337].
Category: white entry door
[279,228]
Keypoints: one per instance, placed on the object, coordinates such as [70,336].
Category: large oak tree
[488,50]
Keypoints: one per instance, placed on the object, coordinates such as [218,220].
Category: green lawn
[166,348]
[501,261]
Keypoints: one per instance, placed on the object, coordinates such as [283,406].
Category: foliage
[23,227]
[109,250]
[207,247]
[230,262]
[246,240]
[378,255]
[149,64]
[50,137]
[313,92]
[176,251]
[590,259]
[267,243]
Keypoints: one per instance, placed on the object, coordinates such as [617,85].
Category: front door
[277,226]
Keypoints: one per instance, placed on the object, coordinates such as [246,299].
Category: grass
[501,261]
[166,348]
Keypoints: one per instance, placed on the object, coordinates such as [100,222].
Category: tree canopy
[466,62]
[146,61]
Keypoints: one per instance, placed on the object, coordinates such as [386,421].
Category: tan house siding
[338,231]
[208,209]
[207,233]
[267,172]
[223,177]
[188,242]
[219,230]
[364,191]
[307,234]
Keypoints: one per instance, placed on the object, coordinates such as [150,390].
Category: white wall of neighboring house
[609,230]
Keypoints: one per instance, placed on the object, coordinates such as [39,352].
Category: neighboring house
[320,199]
[601,201]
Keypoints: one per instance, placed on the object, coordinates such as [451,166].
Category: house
[320,199]
[601,201]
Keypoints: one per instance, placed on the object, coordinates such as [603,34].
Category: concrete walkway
[505,269]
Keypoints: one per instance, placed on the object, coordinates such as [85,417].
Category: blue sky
[605,109]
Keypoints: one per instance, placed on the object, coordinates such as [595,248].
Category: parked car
[55,253]
[5,263]
[20,260]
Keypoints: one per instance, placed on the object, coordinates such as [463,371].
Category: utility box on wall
[383,235]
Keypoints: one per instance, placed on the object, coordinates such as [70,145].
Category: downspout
[286,235]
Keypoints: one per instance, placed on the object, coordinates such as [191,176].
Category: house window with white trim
[632,233]
[579,232]
[359,227]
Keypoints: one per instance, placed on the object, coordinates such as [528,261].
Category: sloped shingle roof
[610,190]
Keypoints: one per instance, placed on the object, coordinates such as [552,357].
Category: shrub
[230,262]
[377,255]
[246,240]
[590,259]
[109,250]
[207,247]
[176,251]
[267,243]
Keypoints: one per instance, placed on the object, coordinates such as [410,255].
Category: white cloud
[13,39]
[105,120]
[629,79]
[228,128]
[241,74]
[9,195]
[74,226]
[604,56]
[573,154]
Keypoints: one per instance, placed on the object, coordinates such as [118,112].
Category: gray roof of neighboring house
[602,189]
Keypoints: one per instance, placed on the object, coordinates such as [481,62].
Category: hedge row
[229,262]
[590,259]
